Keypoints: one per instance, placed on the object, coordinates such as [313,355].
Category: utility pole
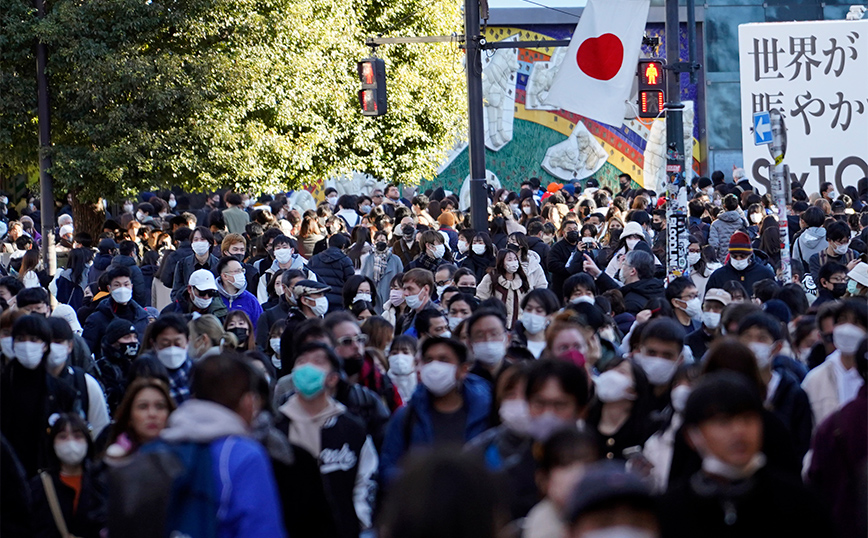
[676,161]
[476,123]
[46,192]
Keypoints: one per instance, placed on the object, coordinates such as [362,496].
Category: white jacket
[536,277]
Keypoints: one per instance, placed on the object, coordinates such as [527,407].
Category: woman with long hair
[72,281]
[481,256]
[361,247]
[237,322]
[395,309]
[506,281]
[700,265]
[530,260]
[141,416]
[770,241]
[31,274]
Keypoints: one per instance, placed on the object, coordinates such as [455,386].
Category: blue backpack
[166,490]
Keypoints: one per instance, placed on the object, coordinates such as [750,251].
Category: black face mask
[839,289]
[656,226]
[615,234]
[353,366]
[382,246]
[241,334]
[572,237]
[124,353]
[512,247]
[239,257]
[470,290]
[408,229]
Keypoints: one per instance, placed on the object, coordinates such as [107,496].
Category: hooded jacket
[412,425]
[811,241]
[333,267]
[241,300]
[538,245]
[241,470]
[721,231]
[754,272]
[100,264]
[106,311]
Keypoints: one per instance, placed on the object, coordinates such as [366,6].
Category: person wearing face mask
[282,310]
[118,305]
[145,213]
[488,337]
[762,334]
[201,243]
[333,267]
[434,252]
[620,412]
[836,381]
[481,256]
[91,401]
[404,243]
[316,422]
[70,483]
[238,324]
[451,406]
[432,323]
[381,267]
[508,283]
[832,280]
[658,226]
[29,395]
[199,297]
[723,420]
[712,307]
[120,346]
[659,448]
[537,307]
[659,354]
[286,258]
[402,366]
[838,250]
[632,235]
[232,287]
[418,287]
[558,262]
[169,338]
[686,304]
[743,266]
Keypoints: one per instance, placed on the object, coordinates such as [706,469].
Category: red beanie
[740,242]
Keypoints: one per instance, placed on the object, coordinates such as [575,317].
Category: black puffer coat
[333,267]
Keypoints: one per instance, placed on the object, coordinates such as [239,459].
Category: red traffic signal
[372,96]
[652,87]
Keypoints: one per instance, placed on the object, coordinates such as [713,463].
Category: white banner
[816,74]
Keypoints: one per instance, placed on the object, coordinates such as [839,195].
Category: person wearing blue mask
[316,422]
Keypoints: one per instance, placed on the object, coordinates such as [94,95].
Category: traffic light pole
[46,189]
[676,161]
[475,119]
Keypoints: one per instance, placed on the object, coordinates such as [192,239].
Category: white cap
[633,228]
[202,280]
[860,273]
[66,229]
[66,312]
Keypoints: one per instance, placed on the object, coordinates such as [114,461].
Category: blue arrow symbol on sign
[762,128]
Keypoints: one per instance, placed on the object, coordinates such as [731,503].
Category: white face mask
[140,216]
[440,290]
[527,210]
[321,307]
[582,299]
[173,203]
[478,249]
[489,353]
[200,248]
[438,377]
[396,297]
[614,386]
[6,347]
[511,267]
[679,396]
[414,301]
[172,357]
[846,337]
[533,323]
[756,218]
[658,370]
[401,364]
[29,354]
[842,249]
[57,355]
[240,281]
[693,307]
[122,295]
[275,344]
[693,258]
[202,302]
[453,322]
[71,452]
[740,265]
[762,352]
[631,243]
[515,415]
[462,246]
[366,297]
[282,255]
[332,200]
[437,251]
[128,208]
[711,319]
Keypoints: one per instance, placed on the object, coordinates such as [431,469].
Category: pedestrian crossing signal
[652,87]
[372,96]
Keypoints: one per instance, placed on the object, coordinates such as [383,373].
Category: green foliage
[258,94]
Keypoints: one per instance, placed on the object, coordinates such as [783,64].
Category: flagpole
[676,161]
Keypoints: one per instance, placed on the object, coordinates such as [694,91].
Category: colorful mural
[535,131]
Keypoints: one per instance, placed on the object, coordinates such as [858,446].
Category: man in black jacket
[333,267]
[743,266]
[637,273]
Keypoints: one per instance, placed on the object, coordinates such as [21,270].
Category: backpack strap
[54,505]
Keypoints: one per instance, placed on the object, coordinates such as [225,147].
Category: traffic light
[372,96]
[652,87]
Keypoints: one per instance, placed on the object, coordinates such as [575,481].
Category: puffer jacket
[333,267]
[727,223]
[536,277]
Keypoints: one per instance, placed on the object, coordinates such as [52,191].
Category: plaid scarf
[381,260]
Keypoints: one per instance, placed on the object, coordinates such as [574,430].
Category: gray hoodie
[201,421]
[811,241]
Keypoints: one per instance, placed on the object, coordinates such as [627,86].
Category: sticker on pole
[762,128]
[673,168]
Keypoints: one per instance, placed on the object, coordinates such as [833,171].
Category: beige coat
[513,298]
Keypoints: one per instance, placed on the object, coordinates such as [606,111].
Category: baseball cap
[719,295]
[309,287]
[203,280]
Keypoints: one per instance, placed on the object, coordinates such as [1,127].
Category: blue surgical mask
[309,380]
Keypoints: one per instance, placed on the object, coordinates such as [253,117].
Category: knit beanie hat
[116,330]
[740,242]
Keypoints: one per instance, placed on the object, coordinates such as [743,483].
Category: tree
[255,94]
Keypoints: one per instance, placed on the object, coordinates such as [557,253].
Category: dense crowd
[228,365]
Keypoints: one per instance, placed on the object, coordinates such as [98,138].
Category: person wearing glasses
[232,286]
[199,297]
[364,385]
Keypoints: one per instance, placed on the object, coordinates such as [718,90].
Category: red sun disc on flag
[601,57]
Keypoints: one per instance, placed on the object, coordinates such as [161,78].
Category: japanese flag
[597,73]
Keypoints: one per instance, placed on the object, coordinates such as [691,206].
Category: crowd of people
[231,365]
